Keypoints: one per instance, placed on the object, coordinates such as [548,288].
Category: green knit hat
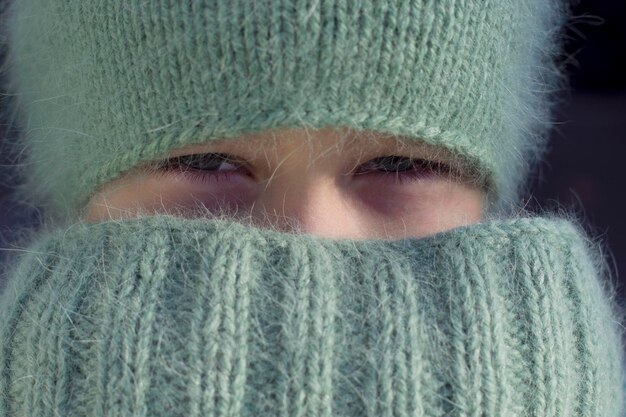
[104,86]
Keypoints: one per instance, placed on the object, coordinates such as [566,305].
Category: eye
[204,167]
[402,168]
[203,162]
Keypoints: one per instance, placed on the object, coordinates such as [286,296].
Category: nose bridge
[305,202]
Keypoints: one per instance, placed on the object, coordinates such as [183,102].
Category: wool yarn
[167,316]
[104,86]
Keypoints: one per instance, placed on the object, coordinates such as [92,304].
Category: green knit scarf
[166,316]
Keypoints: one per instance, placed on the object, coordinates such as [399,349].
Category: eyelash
[183,164]
[405,169]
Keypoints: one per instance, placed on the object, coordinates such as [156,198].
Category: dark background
[585,169]
[584,172]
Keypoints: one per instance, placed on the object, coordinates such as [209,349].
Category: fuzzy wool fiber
[166,316]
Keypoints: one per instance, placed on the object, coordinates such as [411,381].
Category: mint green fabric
[104,86]
[165,316]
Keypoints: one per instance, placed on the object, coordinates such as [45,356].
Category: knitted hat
[103,86]
[169,317]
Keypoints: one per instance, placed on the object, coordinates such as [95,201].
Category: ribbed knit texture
[166,316]
[105,85]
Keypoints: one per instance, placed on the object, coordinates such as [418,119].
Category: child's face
[327,182]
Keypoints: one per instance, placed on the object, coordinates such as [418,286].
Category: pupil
[395,163]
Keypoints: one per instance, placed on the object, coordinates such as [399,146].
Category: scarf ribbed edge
[553,260]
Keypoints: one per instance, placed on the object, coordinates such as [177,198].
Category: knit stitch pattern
[165,316]
[105,85]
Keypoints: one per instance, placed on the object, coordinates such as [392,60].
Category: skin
[326,182]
